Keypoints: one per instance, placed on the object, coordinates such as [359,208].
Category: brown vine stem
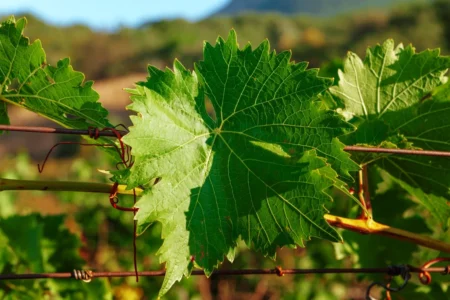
[397,151]
[123,133]
[368,226]
[57,130]
[276,271]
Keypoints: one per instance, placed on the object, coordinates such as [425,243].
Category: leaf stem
[370,226]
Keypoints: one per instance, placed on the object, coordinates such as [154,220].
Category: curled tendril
[114,199]
[41,167]
[425,277]
[124,152]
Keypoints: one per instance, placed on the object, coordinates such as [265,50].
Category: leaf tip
[389,44]
[232,36]
[178,66]
[63,63]
[21,24]
[11,19]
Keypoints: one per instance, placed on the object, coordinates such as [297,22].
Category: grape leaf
[42,242]
[389,79]
[57,93]
[423,126]
[34,243]
[390,95]
[258,171]
[7,255]
[437,205]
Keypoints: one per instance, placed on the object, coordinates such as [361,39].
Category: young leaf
[389,79]
[57,93]
[437,205]
[258,171]
[390,95]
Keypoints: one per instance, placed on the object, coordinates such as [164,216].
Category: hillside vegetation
[314,39]
[317,7]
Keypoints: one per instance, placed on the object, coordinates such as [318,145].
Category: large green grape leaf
[391,96]
[57,93]
[258,171]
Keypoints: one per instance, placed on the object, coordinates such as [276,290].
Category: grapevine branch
[66,186]
[424,273]
[276,271]
[58,130]
[397,151]
[364,226]
[370,226]
[123,133]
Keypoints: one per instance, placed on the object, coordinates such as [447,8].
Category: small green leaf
[258,171]
[391,95]
[389,79]
[58,93]
[436,205]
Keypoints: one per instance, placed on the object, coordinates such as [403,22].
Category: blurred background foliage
[59,232]
[80,230]
[311,38]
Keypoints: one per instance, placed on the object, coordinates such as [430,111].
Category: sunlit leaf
[391,95]
[258,171]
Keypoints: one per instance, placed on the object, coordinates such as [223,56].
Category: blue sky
[103,14]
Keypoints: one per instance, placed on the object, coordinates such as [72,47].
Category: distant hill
[312,7]
[310,38]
